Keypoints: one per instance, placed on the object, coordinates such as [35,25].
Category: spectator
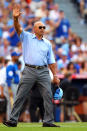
[5,48]
[35,4]
[41,12]
[70,68]
[58,53]
[13,37]
[66,84]
[82,8]
[49,29]
[5,91]
[12,74]
[65,45]
[54,13]
[62,26]
[28,12]
[77,45]
[62,63]
[1,26]
[83,69]
[29,23]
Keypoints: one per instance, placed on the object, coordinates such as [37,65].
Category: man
[3,92]
[62,26]
[38,54]
[63,61]
[13,74]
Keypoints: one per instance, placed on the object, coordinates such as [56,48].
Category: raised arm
[16,14]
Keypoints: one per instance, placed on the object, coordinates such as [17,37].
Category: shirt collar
[34,36]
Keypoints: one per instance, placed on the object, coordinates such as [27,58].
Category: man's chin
[42,34]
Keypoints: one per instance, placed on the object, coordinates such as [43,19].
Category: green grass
[79,126]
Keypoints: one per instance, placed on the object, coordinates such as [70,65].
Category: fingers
[16,6]
[16,10]
[56,81]
[59,80]
[21,13]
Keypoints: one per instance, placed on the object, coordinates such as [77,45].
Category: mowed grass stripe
[38,127]
[63,125]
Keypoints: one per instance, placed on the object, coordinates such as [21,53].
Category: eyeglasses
[40,27]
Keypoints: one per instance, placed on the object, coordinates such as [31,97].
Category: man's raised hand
[16,14]
[16,11]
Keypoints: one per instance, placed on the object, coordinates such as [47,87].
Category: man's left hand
[56,80]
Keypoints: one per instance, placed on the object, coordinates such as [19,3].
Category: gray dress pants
[29,77]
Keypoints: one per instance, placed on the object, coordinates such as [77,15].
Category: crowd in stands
[69,49]
[81,8]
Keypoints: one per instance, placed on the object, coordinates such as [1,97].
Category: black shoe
[49,125]
[10,123]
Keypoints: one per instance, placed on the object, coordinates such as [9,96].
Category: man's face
[39,29]
[15,58]
[62,15]
[64,57]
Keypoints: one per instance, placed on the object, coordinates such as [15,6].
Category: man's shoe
[49,125]
[10,123]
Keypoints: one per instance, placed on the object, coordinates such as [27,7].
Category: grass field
[38,127]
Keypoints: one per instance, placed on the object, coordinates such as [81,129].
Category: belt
[36,67]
